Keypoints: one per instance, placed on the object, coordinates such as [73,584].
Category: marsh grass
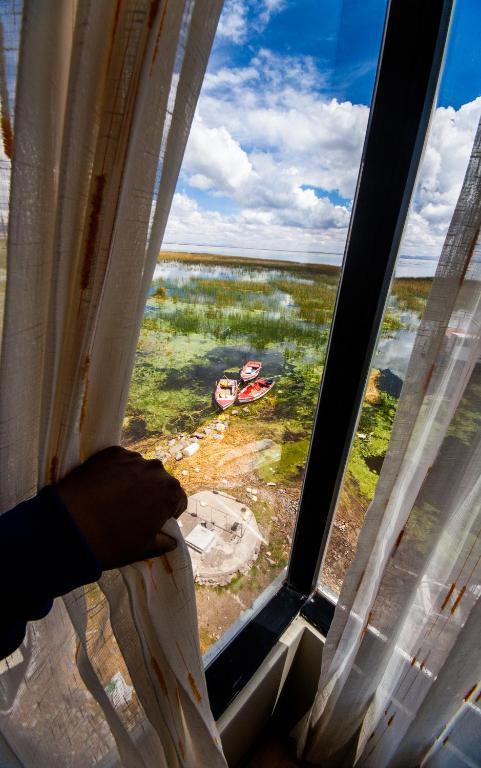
[197,326]
[412,292]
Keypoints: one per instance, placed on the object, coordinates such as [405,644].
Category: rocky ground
[226,454]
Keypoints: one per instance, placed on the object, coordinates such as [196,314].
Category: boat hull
[250,370]
[254,392]
[221,397]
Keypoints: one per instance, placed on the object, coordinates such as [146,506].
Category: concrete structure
[236,538]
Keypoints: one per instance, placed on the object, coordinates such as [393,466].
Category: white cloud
[441,176]
[233,21]
[240,18]
[267,138]
[215,160]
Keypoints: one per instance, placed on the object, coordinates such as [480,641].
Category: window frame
[409,68]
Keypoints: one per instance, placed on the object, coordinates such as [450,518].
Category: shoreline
[215,259]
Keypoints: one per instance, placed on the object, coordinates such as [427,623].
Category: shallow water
[208,319]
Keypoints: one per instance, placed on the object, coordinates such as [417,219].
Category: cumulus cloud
[441,176]
[214,159]
[286,158]
[247,230]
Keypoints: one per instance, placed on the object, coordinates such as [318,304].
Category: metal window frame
[409,68]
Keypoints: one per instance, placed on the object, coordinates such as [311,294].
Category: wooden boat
[226,392]
[255,390]
[250,370]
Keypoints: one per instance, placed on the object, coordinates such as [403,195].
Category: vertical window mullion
[411,58]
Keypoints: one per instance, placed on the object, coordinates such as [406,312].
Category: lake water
[407,266]
[204,320]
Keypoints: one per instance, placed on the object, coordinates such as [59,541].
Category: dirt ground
[230,462]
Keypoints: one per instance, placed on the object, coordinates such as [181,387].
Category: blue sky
[274,151]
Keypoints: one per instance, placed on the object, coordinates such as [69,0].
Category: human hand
[120,502]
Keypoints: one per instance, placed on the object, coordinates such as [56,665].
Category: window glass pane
[248,273]
[449,144]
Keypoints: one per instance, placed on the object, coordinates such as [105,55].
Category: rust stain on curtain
[468,695]
[167,565]
[398,541]
[448,596]
[428,378]
[93,228]
[159,35]
[366,625]
[458,599]
[159,675]
[195,690]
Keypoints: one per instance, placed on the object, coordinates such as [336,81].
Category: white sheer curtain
[401,674]
[105,92]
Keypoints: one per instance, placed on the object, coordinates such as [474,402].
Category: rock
[218,437]
[178,456]
[173,441]
[254,498]
[271,484]
[249,490]
[189,450]
[199,435]
[269,553]
[196,469]
[220,427]
[184,472]
[235,412]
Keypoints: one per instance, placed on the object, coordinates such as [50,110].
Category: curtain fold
[400,682]
[105,93]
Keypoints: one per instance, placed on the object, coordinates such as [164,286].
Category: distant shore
[214,259]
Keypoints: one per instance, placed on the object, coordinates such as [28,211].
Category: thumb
[165,543]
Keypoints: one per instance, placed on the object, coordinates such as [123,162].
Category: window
[249,272]
[191,291]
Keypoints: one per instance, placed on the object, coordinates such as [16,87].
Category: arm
[105,514]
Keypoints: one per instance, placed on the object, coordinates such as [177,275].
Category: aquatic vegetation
[207,314]
[412,292]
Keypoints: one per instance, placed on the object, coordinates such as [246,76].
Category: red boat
[255,390]
[226,392]
[250,370]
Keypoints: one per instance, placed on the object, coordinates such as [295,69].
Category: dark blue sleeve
[42,555]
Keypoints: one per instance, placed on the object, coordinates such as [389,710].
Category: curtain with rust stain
[400,682]
[97,99]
